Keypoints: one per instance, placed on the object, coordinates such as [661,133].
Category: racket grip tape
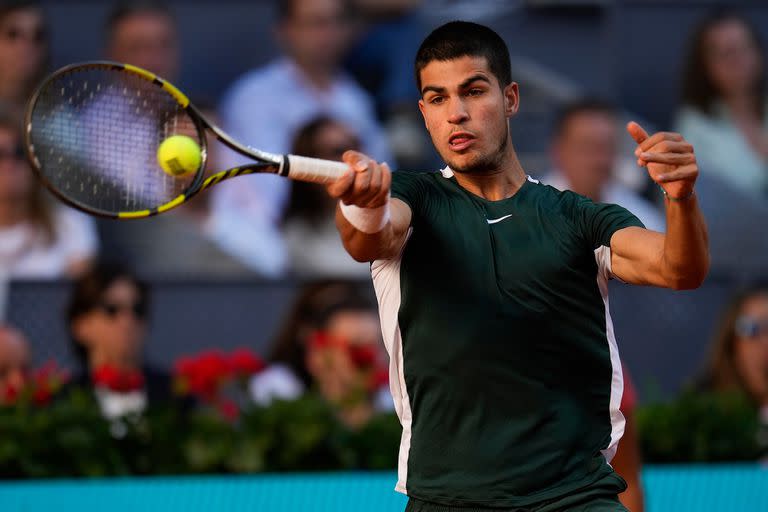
[312,169]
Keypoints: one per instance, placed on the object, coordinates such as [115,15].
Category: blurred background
[235,336]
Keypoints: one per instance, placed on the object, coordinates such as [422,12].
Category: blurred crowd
[343,80]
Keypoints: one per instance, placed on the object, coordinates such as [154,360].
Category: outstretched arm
[372,225]
[678,259]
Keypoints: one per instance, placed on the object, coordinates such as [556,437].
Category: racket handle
[312,169]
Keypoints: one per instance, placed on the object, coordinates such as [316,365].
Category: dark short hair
[88,292]
[699,90]
[465,39]
[586,105]
[126,9]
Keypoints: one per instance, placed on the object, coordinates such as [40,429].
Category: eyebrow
[462,85]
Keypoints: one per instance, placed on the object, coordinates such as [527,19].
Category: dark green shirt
[505,372]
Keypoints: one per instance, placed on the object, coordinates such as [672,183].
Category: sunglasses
[111,309]
[747,327]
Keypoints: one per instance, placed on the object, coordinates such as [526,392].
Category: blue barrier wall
[712,488]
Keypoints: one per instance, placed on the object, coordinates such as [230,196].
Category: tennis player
[492,290]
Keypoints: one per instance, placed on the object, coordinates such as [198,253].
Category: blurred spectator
[309,228]
[627,461]
[724,102]
[23,50]
[143,33]
[584,153]
[37,240]
[388,33]
[267,106]
[738,359]
[14,362]
[330,342]
[107,318]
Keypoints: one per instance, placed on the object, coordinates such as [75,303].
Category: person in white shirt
[724,103]
[584,153]
[38,240]
[267,106]
[309,226]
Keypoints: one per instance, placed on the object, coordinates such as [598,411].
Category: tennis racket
[92,134]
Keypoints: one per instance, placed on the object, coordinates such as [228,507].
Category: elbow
[689,278]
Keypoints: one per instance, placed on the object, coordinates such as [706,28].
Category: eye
[436,100]
[475,91]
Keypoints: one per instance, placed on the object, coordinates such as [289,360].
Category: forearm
[365,246]
[685,259]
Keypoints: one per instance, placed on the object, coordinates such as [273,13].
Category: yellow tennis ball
[179,155]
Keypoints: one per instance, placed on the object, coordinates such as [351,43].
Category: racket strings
[95,133]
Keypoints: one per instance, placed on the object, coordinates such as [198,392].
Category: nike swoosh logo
[494,221]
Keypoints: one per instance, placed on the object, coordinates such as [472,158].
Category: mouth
[460,141]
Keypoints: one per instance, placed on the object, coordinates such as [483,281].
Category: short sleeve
[411,188]
[599,221]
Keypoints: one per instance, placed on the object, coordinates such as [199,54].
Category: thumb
[637,132]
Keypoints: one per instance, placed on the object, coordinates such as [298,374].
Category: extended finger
[686,171]
[637,132]
[670,146]
[669,158]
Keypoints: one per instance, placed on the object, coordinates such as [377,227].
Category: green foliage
[699,427]
[70,438]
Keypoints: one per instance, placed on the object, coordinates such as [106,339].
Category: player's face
[467,113]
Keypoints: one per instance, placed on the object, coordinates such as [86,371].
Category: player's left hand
[669,159]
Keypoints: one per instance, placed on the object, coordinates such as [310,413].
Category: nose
[458,113]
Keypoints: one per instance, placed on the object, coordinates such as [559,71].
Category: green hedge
[70,438]
[700,427]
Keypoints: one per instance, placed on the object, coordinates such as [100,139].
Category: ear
[511,99]
[421,109]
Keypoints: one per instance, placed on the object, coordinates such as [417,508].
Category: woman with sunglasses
[107,318]
[739,357]
[37,239]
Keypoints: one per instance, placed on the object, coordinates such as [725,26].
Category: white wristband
[367,220]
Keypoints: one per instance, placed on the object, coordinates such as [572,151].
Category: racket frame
[265,162]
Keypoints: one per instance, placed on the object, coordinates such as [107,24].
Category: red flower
[379,378]
[362,356]
[245,363]
[115,379]
[9,394]
[228,409]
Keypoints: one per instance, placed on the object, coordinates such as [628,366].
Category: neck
[741,105]
[11,213]
[497,183]
[320,77]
